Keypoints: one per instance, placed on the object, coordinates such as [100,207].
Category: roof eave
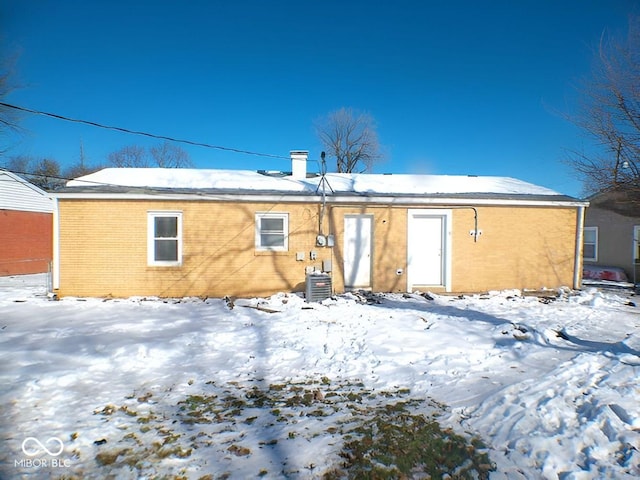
[333,199]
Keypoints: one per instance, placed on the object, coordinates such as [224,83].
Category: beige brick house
[612,233]
[185,232]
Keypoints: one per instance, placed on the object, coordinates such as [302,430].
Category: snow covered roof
[247,182]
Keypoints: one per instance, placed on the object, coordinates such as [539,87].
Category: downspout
[56,246]
[577,265]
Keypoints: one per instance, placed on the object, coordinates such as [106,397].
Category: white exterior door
[427,247]
[357,251]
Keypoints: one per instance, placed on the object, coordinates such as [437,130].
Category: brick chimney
[299,164]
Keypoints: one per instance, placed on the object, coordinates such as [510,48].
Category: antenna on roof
[324,183]
[323,179]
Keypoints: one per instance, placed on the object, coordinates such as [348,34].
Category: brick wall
[520,247]
[103,248]
[25,242]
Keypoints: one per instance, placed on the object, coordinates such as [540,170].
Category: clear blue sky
[456,87]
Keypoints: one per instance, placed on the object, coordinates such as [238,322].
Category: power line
[137,132]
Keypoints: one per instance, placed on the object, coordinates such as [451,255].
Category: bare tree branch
[8,118]
[610,115]
[129,157]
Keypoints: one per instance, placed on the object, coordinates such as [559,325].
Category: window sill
[270,253]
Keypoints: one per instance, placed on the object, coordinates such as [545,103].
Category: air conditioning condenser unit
[318,287]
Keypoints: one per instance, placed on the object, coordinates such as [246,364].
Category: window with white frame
[590,244]
[272,231]
[164,238]
[636,244]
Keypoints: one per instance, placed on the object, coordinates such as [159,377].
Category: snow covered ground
[138,388]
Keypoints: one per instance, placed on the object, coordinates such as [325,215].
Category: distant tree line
[48,174]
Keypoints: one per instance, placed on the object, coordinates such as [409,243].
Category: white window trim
[636,244]
[151,216]
[595,245]
[282,215]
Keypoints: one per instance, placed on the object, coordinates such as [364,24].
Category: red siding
[26,242]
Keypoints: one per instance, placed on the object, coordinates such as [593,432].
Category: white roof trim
[331,200]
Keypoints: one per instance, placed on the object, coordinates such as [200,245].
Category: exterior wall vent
[318,287]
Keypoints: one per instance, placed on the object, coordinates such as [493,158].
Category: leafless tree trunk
[351,138]
[610,115]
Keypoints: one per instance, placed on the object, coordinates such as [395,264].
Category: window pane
[166,227]
[272,224]
[271,240]
[589,251]
[589,236]
[166,250]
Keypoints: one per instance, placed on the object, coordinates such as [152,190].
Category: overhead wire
[138,132]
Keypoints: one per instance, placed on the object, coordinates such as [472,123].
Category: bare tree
[43,173]
[20,164]
[46,174]
[610,115]
[351,138]
[8,116]
[128,157]
[167,155]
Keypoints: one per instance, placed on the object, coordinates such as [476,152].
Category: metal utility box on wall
[318,287]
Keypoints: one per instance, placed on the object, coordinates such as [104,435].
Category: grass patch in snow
[379,435]
[394,443]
